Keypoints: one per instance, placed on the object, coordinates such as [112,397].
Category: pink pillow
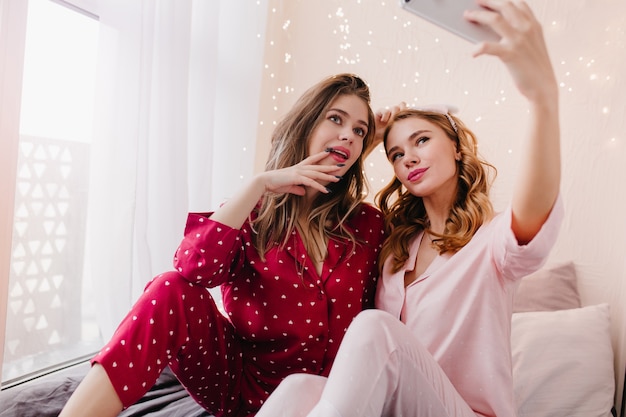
[548,289]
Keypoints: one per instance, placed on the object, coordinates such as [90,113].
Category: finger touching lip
[339,153]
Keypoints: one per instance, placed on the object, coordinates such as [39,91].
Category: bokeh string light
[404,58]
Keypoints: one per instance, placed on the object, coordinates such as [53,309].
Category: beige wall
[403,58]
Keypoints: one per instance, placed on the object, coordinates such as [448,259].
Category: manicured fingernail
[341,165]
[338,176]
[329,190]
[328,150]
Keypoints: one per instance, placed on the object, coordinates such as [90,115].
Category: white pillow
[563,362]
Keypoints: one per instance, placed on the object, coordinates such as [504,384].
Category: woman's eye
[395,156]
[335,118]
[422,139]
[360,132]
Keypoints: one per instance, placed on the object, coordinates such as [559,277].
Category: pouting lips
[416,174]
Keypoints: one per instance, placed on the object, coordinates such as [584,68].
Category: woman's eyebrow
[392,150]
[345,113]
[418,133]
[413,135]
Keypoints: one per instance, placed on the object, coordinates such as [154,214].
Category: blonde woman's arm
[523,50]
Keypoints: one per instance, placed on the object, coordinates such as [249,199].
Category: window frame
[13,21]
[13,15]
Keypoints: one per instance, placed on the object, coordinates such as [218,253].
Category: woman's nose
[412,160]
[346,136]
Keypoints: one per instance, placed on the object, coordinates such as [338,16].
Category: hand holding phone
[448,14]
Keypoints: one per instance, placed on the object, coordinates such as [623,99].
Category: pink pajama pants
[381,370]
[176,323]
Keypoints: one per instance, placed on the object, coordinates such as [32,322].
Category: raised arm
[382,118]
[523,50]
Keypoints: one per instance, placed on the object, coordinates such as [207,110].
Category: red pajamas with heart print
[282,317]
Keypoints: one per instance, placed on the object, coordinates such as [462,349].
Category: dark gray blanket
[45,396]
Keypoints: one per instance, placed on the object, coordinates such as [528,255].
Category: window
[95,215]
[50,311]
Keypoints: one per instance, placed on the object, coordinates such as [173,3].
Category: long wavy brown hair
[278,213]
[405,215]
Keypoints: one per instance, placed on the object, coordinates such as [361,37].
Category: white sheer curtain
[178,90]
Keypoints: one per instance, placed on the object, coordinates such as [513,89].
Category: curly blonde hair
[277,213]
[405,215]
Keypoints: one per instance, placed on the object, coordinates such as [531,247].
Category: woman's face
[423,157]
[343,130]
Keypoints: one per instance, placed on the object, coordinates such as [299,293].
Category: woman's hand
[295,179]
[521,48]
[309,173]
[383,117]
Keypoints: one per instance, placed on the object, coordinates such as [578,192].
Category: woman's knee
[303,382]
[295,396]
[374,330]
[172,283]
[172,294]
[306,388]
[170,279]
[373,321]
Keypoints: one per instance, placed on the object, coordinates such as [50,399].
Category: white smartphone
[448,14]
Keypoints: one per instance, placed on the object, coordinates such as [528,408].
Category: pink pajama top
[289,319]
[460,307]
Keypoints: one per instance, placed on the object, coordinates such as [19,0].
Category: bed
[563,361]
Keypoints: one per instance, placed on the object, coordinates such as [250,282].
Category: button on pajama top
[282,317]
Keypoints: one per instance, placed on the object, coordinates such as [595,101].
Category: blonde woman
[439,345]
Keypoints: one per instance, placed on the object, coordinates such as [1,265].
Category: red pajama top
[289,318]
